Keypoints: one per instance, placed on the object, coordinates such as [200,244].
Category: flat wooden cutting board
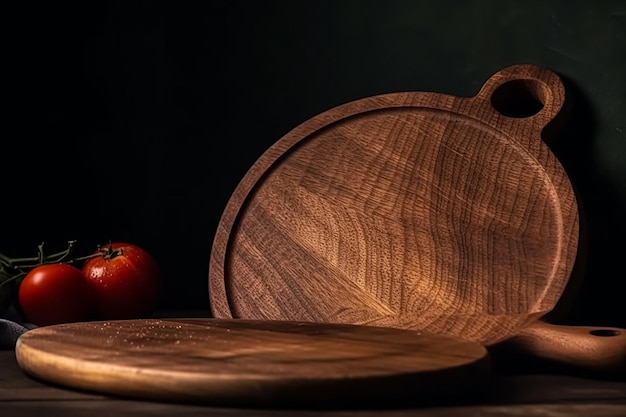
[255,363]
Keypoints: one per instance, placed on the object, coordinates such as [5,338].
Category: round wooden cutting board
[255,363]
[411,210]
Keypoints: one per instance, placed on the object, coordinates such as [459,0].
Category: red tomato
[55,294]
[126,281]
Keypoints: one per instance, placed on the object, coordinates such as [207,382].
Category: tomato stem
[15,268]
[12,278]
[39,259]
[109,253]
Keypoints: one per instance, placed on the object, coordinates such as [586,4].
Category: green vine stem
[12,269]
[39,259]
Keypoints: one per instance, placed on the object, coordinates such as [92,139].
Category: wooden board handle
[521,98]
[598,349]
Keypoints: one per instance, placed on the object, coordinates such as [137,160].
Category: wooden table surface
[521,387]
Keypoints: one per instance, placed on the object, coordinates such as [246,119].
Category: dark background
[135,120]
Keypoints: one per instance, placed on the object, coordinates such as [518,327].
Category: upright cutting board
[412,210]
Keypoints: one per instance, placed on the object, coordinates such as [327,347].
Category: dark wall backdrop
[135,120]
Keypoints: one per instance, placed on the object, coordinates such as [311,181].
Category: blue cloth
[10,331]
[12,326]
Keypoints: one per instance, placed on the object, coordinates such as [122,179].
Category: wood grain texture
[243,363]
[524,393]
[412,210]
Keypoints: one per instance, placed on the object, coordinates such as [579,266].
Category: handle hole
[519,98]
[605,332]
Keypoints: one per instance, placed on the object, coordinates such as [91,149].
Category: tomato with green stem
[126,281]
[13,270]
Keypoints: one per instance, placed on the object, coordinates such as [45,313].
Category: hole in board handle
[519,98]
[605,332]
